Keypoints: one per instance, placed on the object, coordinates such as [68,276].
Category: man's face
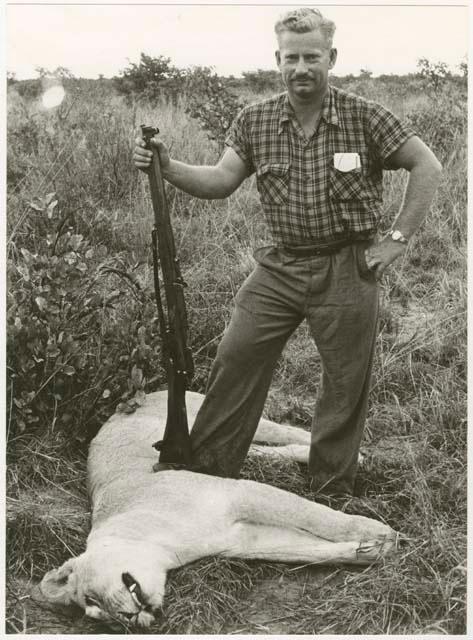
[304,60]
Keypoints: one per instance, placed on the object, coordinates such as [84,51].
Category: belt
[321,250]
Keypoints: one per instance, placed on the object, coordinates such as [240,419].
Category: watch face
[397,235]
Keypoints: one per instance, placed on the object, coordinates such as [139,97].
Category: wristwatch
[397,236]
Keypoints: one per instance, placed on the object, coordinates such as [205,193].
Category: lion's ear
[58,585]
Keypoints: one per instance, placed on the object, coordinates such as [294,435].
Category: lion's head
[111,585]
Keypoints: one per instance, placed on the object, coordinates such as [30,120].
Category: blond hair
[304,20]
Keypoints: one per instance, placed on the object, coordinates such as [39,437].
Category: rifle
[174,448]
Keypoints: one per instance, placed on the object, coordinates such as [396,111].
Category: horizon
[93,40]
[455,72]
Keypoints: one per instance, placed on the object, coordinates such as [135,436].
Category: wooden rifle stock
[174,448]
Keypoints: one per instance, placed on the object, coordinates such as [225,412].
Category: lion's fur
[145,523]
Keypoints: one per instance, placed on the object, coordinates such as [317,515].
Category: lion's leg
[293,442]
[295,452]
[274,433]
[265,505]
[288,545]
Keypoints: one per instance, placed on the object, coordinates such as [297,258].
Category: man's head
[305,52]
[305,20]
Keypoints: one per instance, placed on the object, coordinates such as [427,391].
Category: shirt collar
[328,112]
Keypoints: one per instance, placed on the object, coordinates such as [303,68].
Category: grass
[414,475]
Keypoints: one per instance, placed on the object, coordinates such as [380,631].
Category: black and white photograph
[236,319]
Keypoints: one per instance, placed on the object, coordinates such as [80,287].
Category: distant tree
[11,78]
[435,74]
[147,78]
[210,102]
[31,89]
[365,74]
[59,73]
[263,80]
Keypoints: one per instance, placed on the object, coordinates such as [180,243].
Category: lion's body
[145,523]
[121,458]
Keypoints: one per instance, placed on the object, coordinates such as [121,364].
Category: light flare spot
[53,96]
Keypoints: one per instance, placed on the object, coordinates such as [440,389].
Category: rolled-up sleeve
[238,139]
[387,132]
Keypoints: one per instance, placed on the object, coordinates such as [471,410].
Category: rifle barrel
[175,446]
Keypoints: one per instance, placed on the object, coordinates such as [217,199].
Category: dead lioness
[146,523]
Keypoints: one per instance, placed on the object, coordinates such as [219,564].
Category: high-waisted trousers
[338,296]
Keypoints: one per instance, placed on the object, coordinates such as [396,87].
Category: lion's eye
[90,602]
[127,615]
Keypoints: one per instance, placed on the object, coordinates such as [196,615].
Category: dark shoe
[330,488]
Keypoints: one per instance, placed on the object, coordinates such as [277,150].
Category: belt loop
[284,257]
[260,253]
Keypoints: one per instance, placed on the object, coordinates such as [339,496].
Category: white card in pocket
[346,161]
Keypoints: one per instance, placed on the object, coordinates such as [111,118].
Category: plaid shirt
[306,199]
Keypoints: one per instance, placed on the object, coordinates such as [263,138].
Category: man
[318,154]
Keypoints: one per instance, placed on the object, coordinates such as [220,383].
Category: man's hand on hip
[379,256]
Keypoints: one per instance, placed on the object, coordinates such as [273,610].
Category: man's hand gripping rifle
[174,448]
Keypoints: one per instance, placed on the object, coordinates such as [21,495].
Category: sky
[93,39]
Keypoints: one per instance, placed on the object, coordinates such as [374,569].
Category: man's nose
[301,66]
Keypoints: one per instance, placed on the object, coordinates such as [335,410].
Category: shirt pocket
[349,186]
[346,186]
[272,180]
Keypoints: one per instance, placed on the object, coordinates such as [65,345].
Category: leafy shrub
[66,356]
[435,74]
[211,103]
[147,79]
[50,317]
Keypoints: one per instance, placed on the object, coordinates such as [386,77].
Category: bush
[263,80]
[68,359]
[147,79]
[435,74]
[444,127]
[211,103]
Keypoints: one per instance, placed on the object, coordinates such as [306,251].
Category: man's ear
[277,55]
[333,58]
[58,585]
